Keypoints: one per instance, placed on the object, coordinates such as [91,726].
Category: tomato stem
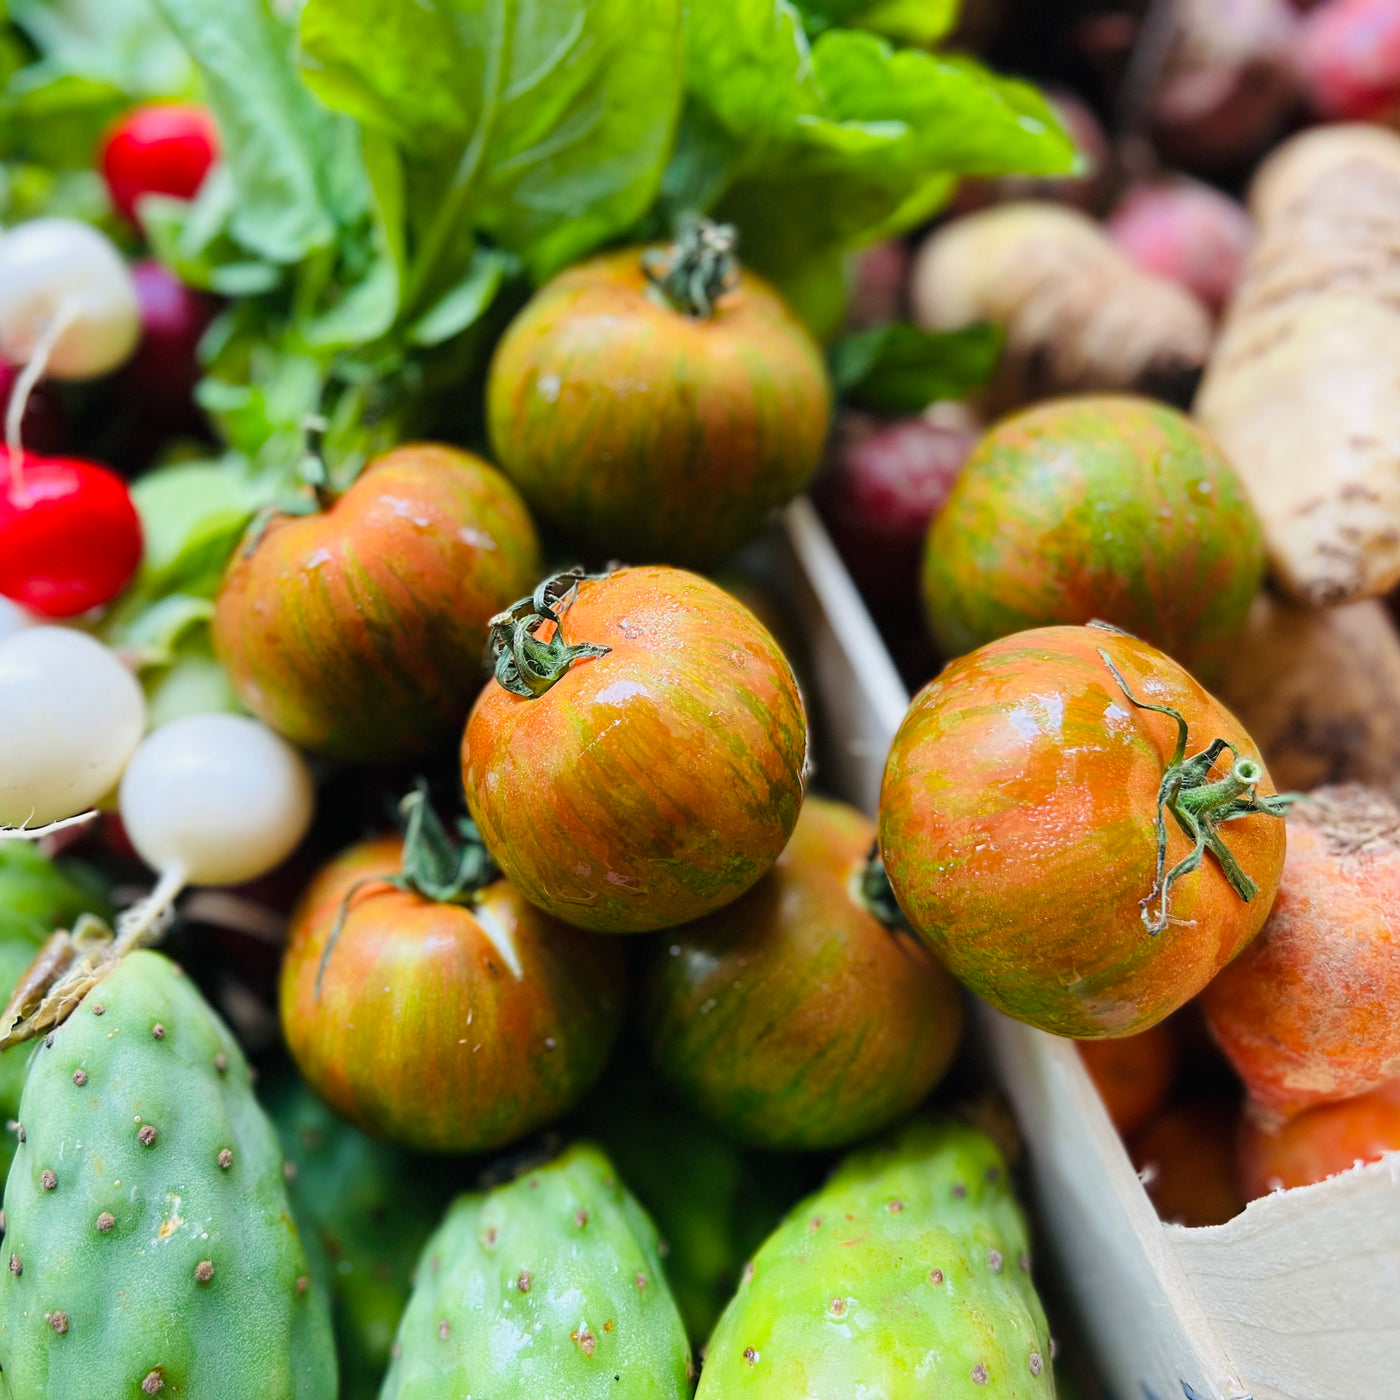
[433,865]
[524,664]
[1199,807]
[697,269]
[877,894]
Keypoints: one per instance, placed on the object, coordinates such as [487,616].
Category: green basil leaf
[900,369]
[841,141]
[545,126]
[911,21]
[296,167]
[461,306]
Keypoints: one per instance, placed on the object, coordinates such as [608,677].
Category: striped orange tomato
[1107,507]
[442,1026]
[1021,820]
[650,434]
[796,1017]
[653,783]
[359,632]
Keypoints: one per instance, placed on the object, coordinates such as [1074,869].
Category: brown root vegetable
[1227,82]
[1077,314]
[1319,691]
[1301,388]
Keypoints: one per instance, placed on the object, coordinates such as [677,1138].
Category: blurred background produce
[327,345]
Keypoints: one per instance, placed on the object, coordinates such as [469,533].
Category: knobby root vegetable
[1077,314]
[1319,690]
[1300,391]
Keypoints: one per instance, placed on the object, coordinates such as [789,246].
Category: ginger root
[1301,390]
[1078,314]
[1319,692]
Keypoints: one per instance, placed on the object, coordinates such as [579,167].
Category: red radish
[162,373]
[70,538]
[878,275]
[1228,82]
[1187,232]
[884,486]
[1348,52]
[164,148]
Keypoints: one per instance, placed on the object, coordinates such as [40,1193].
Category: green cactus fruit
[372,1208]
[36,896]
[550,1287]
[713,1202]
[151,1244]
[907,1275]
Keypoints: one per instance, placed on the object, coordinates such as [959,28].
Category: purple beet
[883,486]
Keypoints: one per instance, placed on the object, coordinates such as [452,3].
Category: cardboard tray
[1297,1298]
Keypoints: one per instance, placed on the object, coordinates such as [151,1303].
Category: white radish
[71,716]
[12,618]
[212,799]
[67,301]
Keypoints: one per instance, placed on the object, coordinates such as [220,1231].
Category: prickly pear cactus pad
[551,1288]
[150,1244]
[907,1275]
[372,1208]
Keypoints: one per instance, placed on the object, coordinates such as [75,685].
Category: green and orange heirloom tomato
[443,1026]
[359,632]
[1033,824]
[646,764]
[796,1017]
[1111,508]
[656,406]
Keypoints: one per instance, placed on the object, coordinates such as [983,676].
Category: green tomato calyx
[434,866]
[697,269]
[525,665]
[876,894]
[1200,807]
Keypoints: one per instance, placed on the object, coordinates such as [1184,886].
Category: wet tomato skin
[646,434]
[444,1027]
[1018,827]
[651,785]
[794,1018]
[359,632]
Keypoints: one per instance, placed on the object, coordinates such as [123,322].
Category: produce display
[437,959]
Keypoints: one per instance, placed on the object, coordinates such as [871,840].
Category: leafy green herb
[912,21]
[544,126]
[898,368]
[815,149]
